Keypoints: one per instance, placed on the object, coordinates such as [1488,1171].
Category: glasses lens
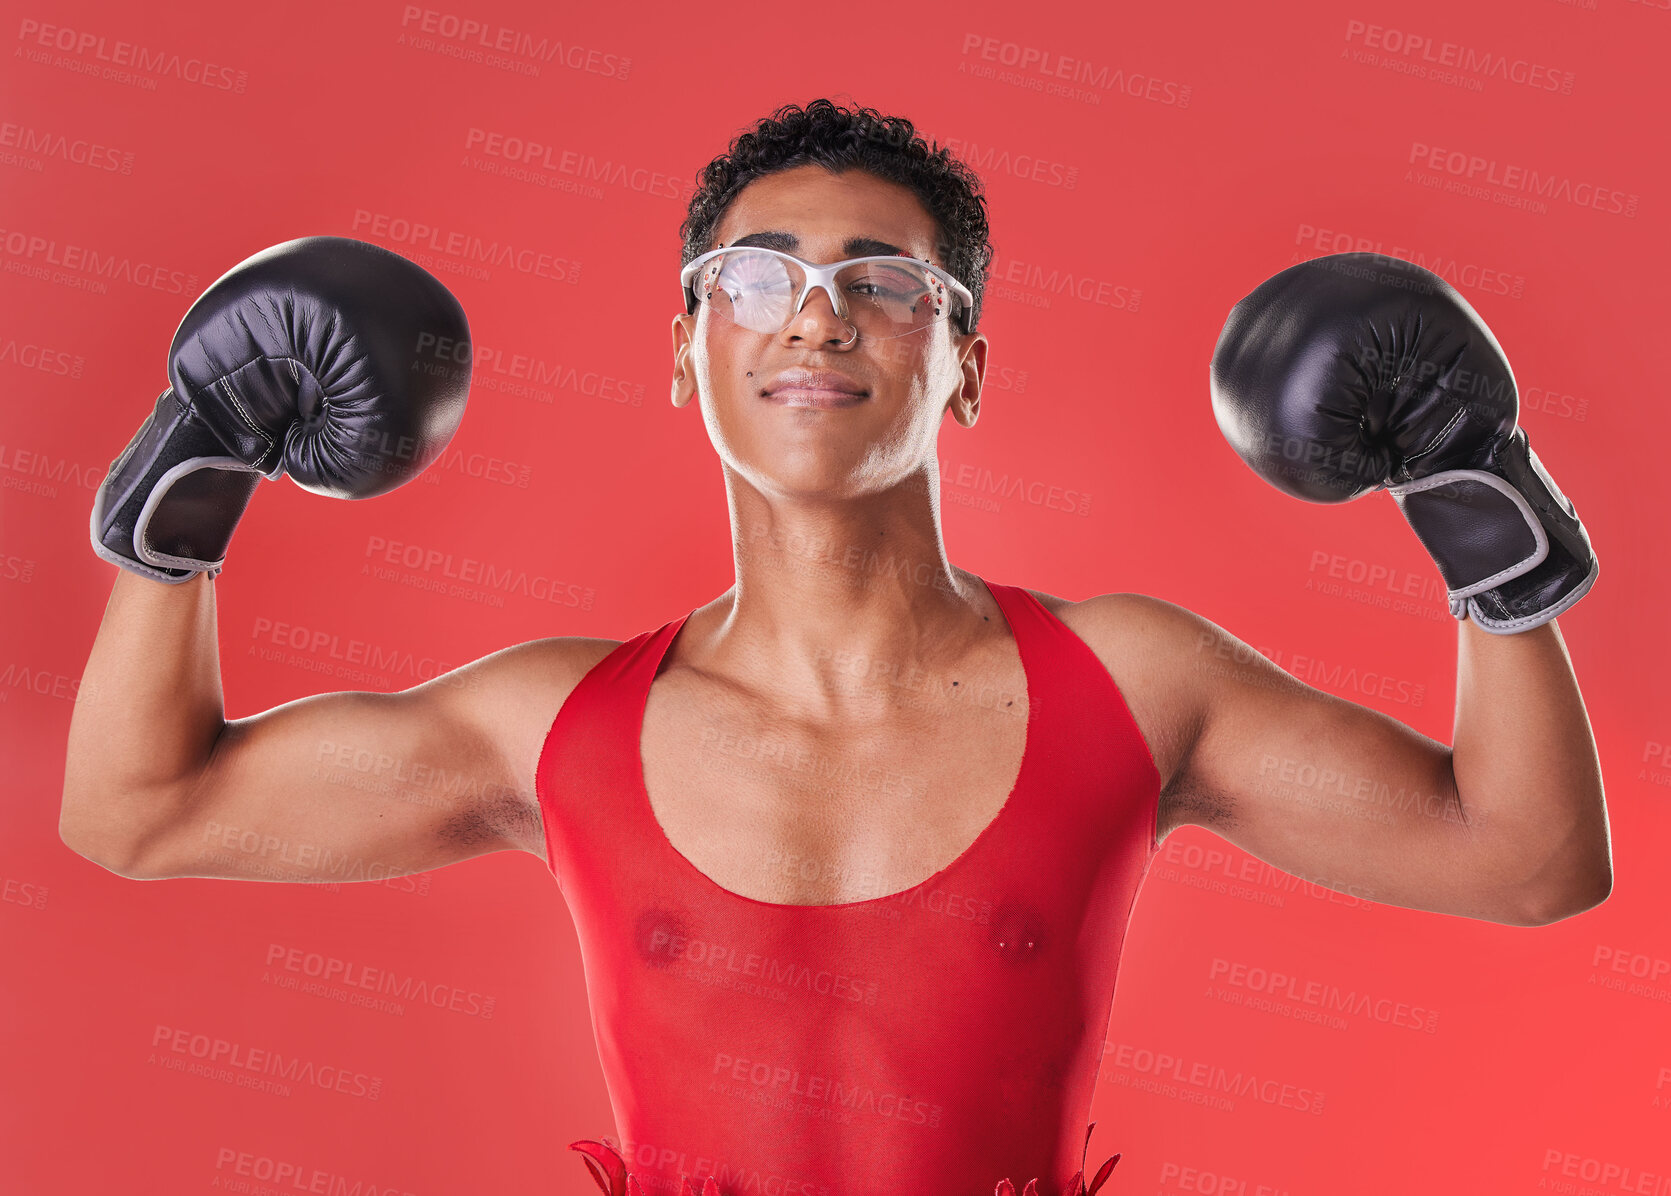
[753,289]
[891,297]
[884,299]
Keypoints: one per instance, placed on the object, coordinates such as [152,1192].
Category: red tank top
[942,1041]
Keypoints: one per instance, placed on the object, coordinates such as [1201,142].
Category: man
[851,848]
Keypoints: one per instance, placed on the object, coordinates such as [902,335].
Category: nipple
[1017,933]
[661,937]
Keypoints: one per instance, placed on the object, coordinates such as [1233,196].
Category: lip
[814,388]
[796,396]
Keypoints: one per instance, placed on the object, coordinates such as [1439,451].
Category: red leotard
[937,1041]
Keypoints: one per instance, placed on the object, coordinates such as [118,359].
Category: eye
[882,281]
[754,272]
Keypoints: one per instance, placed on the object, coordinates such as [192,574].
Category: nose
[817,321]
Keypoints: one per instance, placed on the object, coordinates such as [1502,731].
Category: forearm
[1526,767]
[147,712]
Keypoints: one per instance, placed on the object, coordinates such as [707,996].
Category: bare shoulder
[525,683]
[512,697]
[1137,623]
[1141,639]
[523,688]
[1154,651]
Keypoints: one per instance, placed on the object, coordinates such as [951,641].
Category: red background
[1207,146]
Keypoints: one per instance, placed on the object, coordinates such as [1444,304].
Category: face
[908,383]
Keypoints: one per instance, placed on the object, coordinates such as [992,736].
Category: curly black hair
[840,139]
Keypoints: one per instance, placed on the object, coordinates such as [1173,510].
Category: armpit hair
[506,818]
[1188,801]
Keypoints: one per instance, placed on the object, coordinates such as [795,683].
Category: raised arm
[1332,379]
[1508,825]
[333,787]
[342,366]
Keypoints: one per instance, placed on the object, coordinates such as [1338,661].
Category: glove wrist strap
[170,503]
[1508,543]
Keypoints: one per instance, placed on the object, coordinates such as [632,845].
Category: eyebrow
[852,247]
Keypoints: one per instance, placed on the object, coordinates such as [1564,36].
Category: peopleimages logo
[578,165]
[84,266]
[369,978]
[1056,73]
[1476,172]
[1035,284]
[87,51]
[262,1068]
[731,1177]
[466,247]
[1216,1086]
[501,46]
[483,578]
[33,472]
[41,681]
[239,1167]
[989,483]
[1312,670]
[1430,53]
[777,1082]
[1322,995]
[276,639]
[989,160]
[1462,274]
[47,359]
[771,969]
[25,143]
[527,375]
[1609,1174]
[1248,878]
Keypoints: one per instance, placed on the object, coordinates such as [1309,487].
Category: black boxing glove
[1356,372]
[329,359]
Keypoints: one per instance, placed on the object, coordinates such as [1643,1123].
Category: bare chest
[777,809]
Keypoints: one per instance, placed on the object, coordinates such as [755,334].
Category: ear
[965,405]
[684,375]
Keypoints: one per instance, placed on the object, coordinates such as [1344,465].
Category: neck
[841,601]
